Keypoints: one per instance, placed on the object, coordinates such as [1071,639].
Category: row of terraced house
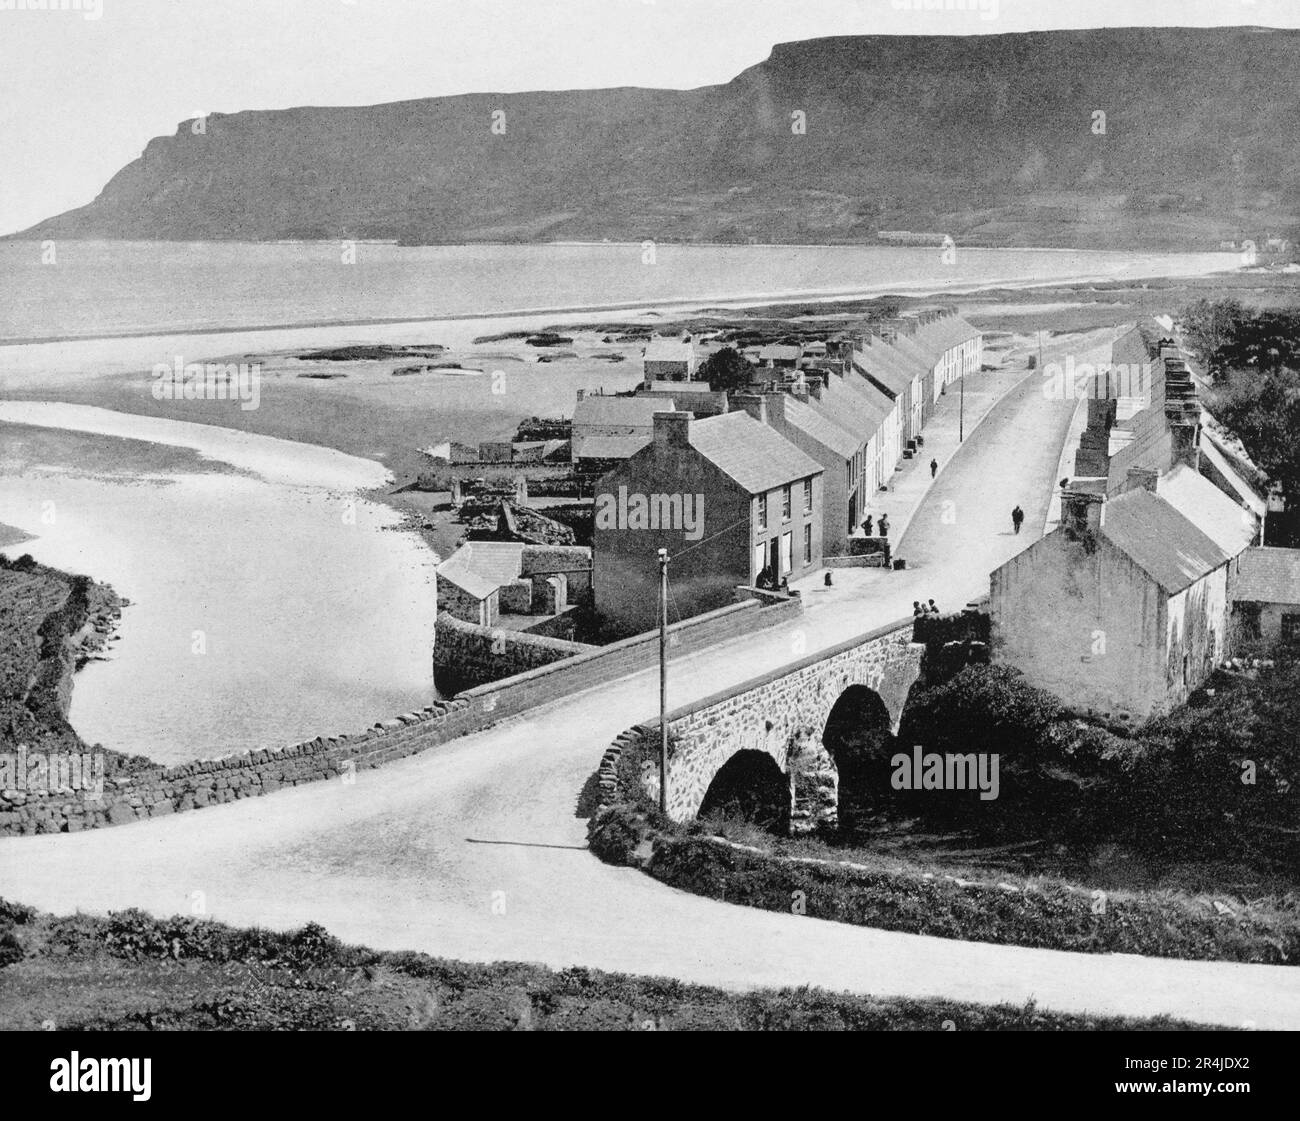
[777,477]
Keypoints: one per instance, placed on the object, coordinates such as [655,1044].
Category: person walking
[934,468]
[1017,518]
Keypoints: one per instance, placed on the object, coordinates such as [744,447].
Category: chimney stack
[673,430]
[1182,413]
[755,404]
[1148,478]
[1083,513]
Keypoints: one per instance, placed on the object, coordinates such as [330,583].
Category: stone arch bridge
[783,715]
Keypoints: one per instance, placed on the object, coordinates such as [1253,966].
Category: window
[785,504]
[807,544]
[787,542]
[762,511]
[807,496]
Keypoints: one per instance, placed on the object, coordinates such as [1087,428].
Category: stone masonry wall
[466,655]
[783,715]
[156,791]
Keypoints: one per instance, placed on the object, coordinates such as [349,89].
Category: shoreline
[923,289]
[74,632]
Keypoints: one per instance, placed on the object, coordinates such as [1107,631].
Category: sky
[83,90]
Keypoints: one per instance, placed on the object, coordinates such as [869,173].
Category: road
[474,851]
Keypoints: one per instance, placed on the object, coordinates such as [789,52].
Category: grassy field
[130,971]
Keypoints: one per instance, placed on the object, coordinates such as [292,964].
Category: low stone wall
[764,596]
[561,625]
[156,791]
[630,655]
[466,655]
[864,560]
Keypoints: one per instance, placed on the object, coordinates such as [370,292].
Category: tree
[1263,409]
[1209,325]
[726,370]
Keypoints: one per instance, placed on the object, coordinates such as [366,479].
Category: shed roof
[480,567]
[1269,575]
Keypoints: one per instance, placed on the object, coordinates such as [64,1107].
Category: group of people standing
[869,523]
[919,608]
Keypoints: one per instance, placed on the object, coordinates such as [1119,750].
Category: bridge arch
[859,738]
[750,785]
[785,715]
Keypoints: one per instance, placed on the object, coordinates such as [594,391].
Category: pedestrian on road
[1017,518]
[866,526]
[828,579]
[934,468]
[884,525]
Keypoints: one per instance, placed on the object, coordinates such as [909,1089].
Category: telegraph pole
[663,681]
[961,411]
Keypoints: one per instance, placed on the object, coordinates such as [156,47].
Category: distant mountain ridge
[991,139]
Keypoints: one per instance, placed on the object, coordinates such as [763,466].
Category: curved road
[473,850]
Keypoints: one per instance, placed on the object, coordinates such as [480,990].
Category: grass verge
[128,971]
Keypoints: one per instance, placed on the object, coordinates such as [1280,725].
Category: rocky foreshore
[53,623]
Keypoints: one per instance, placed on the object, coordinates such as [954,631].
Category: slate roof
[669,350]
[943,334]
[755,456]
[821,428]
[480,567]
[854,404]
[1204,505]
[780,352]
[609,447]
[629,411]
[1269,575]
[1231,473]
[1160,541]
[1130,348]
[893,369]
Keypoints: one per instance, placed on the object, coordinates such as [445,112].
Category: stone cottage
[726,496]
